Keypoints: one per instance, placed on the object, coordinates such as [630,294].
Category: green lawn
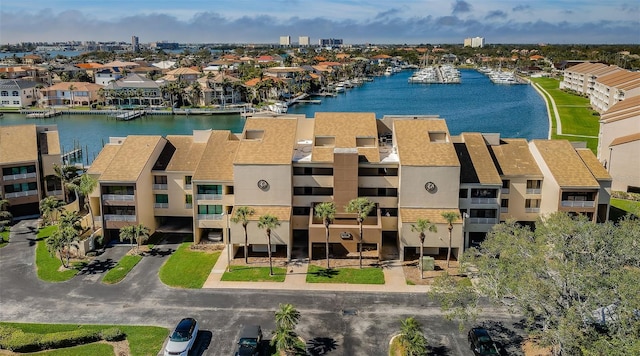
[575,114]
[629,206]
[368,275]
[47,265]
[254,274]
[186,268]
[143,340]
[124,266]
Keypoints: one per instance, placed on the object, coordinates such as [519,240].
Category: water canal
[476,105]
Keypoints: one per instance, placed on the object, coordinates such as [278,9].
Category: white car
[182,338]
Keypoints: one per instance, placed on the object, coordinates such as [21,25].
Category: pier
[129,115]
[43,114]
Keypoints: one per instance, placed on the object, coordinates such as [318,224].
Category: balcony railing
[533,191]
[209,216]
[160,187]
[482,220]
[112,217]
[209,196]
[26,193]
[188,206]
[161,205]
[188,186]
[504,190]
[484,200]
[55,192]
[579,203]
[119,197]
[531,210]
[504,210]
[19,176]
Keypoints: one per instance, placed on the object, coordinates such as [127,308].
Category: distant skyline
[354,21]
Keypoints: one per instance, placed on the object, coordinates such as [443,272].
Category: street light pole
[228,244]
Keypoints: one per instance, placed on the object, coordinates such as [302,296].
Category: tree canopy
[577,283]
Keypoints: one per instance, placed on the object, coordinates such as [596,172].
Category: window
[188,199]
[209,209]
[162,199]
[484,193]
[18,170]
[24,187]
[504,203]
[4,93]
[301,210]
[15,93]
[463,193]
[118,190]
[159,179]
[187,180]
[534,184]
[16,102]
[209,189]
[532,204]
[506,184]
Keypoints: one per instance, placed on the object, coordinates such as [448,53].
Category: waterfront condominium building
[581,78]
[27,157]
[410,167]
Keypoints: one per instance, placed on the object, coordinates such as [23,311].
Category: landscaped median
[188,267]
[124,266]
[49,267]
[4,236]
[72,339]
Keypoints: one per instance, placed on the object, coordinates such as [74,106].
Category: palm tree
[361,207]
[242,216]
[68,176]
[450,217]
[196,92]
[420,227]
[86,186]
[285,338]
[68,231]
[5,215]
[327,212]
[287,316]
[138,233]
[127,234]
[55,246]
[71,89]
[268,222]
[412,338]
[49,207]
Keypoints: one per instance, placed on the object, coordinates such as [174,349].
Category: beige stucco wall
[413,194]
[612,130]
[437,239]
[279,236]
[246,184]
[550,188]
[144,193]
[517,196]
[624,166]
[175,191]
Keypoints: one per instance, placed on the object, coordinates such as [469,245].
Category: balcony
[209,196]
[491,221]
[26,193]
[531,210]
[161,205]
[209,216]
[55,192]
[18,176]
[188,206]
[504,190]
[118,197]
[484,200]
[160,187]
[112,217]
[188,186]
[504,210]
[534,191]
[578,203]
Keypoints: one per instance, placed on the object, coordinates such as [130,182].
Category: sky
[354,21]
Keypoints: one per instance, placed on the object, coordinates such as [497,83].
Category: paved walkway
[296,279]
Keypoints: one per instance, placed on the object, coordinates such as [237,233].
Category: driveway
[333,323]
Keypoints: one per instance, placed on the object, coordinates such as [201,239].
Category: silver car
[182,338]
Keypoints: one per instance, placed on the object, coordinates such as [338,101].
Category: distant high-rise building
[135,43]
[285,40]
[474,42]
[330,42]
[304,41]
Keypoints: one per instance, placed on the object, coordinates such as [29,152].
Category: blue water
[476,105]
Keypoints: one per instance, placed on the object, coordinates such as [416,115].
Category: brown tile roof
[18,144]
[513,158]
[591,161]
[217,158]
[483,165]
[626,108]
[625,139]
[131,158]
[100,163]
[411,215]
[345,128]
[283,213]
[415,147]
[53,142]
[275,145]
[623,79]
[92,65]
[565,165]
[187,154]
[182,71]
[78,86]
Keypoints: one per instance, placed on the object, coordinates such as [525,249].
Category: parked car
[481,343]
[249,341]
[182,338]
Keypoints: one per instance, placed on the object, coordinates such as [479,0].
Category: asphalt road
[332,323]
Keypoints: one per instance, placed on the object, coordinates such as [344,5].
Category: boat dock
[72,156]
[43,114]
[129,115]
[310,101]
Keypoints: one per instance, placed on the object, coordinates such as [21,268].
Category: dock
[129,115]
[310,101]
[72,156]
[43,114]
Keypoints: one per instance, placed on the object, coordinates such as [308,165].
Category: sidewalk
[296,280]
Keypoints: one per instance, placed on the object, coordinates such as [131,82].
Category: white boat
[340,88]
[388,71]
[279,107]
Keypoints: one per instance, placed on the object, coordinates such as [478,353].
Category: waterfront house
[181,74]
[17,93]
[134,90]
[71,94]
[104,76]
[27,157]
[410,167]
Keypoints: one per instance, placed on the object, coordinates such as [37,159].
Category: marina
[474,105]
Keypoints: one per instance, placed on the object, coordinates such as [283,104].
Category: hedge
[14,339]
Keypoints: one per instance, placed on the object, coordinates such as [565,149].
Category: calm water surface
[476,105]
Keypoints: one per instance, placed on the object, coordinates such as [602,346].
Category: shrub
[112,334]
[14,339]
